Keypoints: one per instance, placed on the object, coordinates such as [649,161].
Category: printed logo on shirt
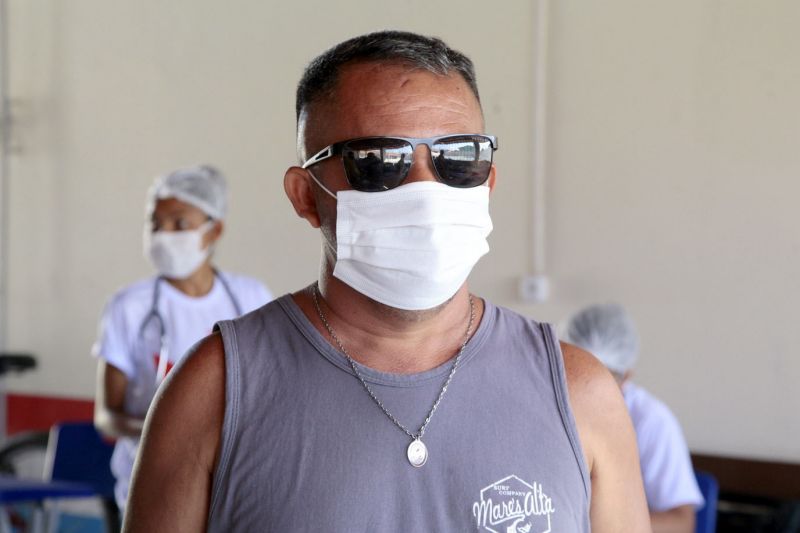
[513,505]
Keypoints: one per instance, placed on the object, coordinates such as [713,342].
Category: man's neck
[198,284]
[388,339]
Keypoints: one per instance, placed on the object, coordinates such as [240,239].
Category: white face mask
[177,254]
[411,247]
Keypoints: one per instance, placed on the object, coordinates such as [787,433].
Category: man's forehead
[364,77]
[369,96]
[379,86]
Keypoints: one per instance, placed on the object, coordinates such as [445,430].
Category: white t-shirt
[129,339]
[667,471]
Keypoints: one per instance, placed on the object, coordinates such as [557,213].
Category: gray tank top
[304,448]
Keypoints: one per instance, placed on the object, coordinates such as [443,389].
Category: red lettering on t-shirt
[170,364]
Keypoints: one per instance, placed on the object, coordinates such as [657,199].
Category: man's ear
[297,184]
[492,178]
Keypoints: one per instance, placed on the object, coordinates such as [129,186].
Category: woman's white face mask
[177,254]
[411,247]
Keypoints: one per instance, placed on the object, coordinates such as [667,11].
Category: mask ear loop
[204,228]
[324,188]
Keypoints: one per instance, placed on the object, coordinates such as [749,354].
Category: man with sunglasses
[385,396]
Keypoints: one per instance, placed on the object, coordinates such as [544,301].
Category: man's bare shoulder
[194,393]
[188,411]
[595,398]
[609,444]
[172,478]
[584,372]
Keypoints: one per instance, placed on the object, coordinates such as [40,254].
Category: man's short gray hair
[417,51]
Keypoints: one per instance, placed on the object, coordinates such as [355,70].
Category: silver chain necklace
[416,452]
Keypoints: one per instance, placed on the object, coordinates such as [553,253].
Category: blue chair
[77,453]
[706,517]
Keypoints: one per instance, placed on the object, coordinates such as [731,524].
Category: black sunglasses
[374,164]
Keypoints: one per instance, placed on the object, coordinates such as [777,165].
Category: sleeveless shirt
[304,447]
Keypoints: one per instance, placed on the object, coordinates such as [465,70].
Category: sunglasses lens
[379,164]
[463,161]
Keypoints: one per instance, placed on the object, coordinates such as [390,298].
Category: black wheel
[22,455]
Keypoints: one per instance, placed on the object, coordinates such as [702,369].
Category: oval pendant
[417,453]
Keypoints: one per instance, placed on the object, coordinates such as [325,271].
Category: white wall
[672,172]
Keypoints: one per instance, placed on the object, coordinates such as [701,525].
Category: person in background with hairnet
[148,326]
[672,493]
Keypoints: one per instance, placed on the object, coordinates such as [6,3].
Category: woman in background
[148,326]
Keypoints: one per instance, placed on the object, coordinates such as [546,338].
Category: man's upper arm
[174,469]
[609,444]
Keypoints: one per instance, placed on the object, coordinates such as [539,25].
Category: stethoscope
[153,314]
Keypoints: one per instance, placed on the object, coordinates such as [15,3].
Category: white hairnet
[202,186]
[608,332]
